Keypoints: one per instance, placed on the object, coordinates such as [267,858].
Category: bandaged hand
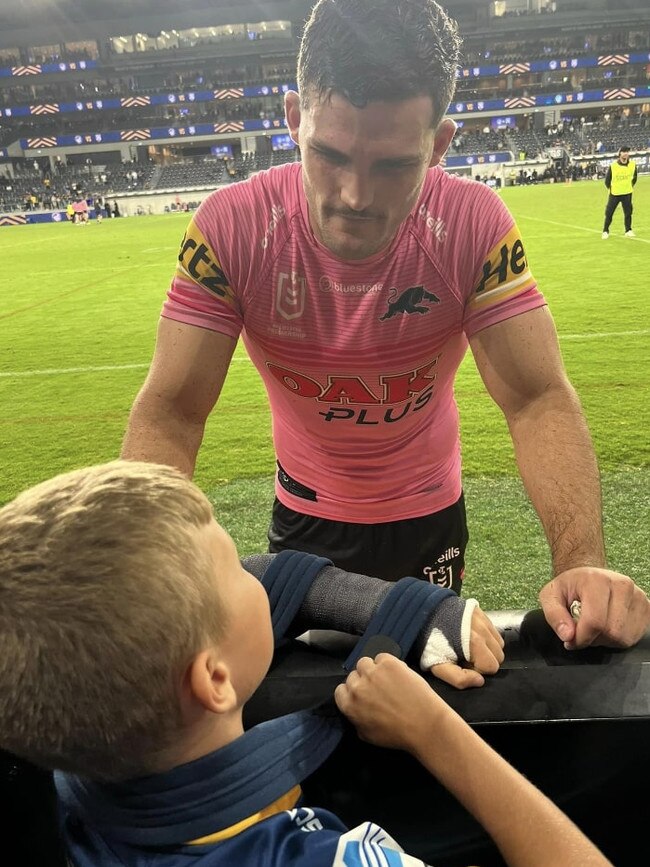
[462,644]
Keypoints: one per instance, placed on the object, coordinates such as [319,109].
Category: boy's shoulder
[301,837]
[310,837]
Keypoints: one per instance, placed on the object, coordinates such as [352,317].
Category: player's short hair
[105,597]
[624,149]
[375,50]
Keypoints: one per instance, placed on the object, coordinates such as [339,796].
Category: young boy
[130,639]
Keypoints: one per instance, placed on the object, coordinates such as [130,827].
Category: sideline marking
[581,228]
[598,335]
[59,371]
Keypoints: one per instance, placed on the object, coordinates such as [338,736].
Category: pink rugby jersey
[358,358]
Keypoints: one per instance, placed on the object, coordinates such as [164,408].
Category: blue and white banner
[177,99]
[146,134]
[257,125]
[28,218]
[461,160]
[550,99]
[43,68]
[552,65]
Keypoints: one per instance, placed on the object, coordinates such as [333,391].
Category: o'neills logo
[327,284]
[436,225]
[277,212]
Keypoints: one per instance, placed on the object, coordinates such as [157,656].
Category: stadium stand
[110,81]
[87,54]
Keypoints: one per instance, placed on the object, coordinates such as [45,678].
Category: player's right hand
[389,704]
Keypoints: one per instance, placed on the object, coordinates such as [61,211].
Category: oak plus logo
[349,398]
[290,295]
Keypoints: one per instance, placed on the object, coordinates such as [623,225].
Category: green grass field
[78,314]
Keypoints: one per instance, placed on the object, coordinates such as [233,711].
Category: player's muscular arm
[184,382]
[520,362]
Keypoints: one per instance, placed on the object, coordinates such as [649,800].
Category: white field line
[62,371]
[599,335]
[92,268]
[581,228]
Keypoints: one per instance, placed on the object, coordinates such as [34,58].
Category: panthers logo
[410,301]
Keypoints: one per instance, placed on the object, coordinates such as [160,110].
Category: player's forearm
[158,433]
[558,466]
[529,830]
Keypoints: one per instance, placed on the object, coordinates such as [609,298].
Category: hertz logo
[198,263]
[505,272]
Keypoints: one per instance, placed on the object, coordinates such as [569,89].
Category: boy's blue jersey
[301,837]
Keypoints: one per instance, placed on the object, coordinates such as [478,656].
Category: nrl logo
[290,295]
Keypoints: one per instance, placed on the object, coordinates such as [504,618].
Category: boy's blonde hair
[105,596]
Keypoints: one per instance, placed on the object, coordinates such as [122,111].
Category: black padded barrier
[576,723]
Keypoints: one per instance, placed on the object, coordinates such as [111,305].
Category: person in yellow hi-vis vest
[620,180]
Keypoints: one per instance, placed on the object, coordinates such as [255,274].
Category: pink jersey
[358,358]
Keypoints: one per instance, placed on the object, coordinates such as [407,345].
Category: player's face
[363,168]
[623,157]
[247,645]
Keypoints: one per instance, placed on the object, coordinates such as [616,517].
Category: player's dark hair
[624,149]
[371,50]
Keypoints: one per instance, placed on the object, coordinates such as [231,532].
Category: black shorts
[431,547]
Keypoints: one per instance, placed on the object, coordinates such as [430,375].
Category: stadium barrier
[576,723]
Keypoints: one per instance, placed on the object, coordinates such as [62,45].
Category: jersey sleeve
[369,844]
[204,291]
[496,279]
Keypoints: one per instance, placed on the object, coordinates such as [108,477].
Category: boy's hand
[485,655]
[388,703]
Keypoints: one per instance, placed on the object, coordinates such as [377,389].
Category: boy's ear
[210,683]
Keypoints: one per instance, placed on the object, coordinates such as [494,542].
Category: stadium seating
[205,61]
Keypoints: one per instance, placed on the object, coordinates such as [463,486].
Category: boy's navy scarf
[211,793]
